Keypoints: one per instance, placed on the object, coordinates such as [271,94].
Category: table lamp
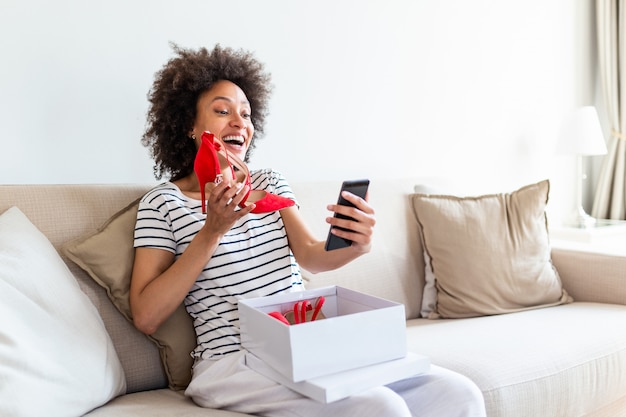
[581,135]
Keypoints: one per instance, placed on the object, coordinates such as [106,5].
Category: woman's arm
[310,252]
[159,284]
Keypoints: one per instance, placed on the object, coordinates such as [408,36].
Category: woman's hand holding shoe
[222,207]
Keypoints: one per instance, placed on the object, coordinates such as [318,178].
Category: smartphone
[356,187]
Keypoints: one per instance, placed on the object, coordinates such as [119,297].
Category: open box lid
[330,388]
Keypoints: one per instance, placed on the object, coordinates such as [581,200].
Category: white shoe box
[359,330]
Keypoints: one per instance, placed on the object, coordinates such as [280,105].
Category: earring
[193,136]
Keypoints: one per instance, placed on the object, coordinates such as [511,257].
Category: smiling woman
[210,243]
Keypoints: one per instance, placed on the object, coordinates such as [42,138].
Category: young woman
[210,244]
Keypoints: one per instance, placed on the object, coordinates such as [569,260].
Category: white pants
[229,384]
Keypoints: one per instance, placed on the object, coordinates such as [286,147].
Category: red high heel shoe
[207,165]
[212,155]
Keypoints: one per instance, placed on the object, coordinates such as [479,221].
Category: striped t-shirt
[253,259]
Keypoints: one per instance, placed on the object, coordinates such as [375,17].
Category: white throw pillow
[56,358]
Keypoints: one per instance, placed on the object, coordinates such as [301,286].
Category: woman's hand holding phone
[353,220]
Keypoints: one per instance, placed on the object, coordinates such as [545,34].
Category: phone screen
[356,187]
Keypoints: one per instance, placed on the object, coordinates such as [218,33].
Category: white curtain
[610,201]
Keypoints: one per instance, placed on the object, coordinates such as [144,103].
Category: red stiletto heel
[207,165]
[208,169]
[302,312]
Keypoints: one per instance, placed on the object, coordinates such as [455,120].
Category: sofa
[567,358]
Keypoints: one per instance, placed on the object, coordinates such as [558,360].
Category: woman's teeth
[233,140]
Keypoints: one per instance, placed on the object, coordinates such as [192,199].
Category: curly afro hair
[174,95]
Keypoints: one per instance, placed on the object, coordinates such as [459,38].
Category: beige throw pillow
[107,256]
[488,254]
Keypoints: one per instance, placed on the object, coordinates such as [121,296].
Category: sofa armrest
[591,275]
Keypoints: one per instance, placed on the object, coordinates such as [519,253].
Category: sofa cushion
[566,360]
[107,256]
[160,402]
[488,254]
[56,357]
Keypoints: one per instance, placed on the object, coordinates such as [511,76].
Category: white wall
[469,91]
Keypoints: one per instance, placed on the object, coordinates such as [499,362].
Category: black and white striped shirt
[252,260]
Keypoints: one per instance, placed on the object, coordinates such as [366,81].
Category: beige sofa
[568,360]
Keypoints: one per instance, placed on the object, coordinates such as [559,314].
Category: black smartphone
[356,187]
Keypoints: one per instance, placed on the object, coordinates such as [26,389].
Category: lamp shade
[581,133]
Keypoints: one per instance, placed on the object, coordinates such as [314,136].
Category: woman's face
[224,110]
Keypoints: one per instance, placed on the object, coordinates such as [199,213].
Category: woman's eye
[222,111]
[246,115]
